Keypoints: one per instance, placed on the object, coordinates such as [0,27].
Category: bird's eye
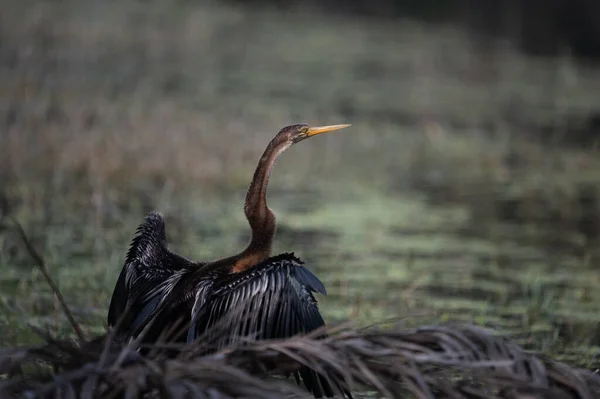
[304,129]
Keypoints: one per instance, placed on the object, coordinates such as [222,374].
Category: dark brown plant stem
[42,266]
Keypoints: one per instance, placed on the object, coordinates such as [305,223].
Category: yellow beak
[313,131]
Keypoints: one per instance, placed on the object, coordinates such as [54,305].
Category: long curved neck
[260,217]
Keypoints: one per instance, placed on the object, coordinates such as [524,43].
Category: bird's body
[251,295]
[159,283]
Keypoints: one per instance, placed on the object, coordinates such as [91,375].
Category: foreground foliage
[452,360]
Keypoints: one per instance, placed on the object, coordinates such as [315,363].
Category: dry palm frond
[449,361]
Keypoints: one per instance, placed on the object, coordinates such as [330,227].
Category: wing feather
[147,279]
[270,301]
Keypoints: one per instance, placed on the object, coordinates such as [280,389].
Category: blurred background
[466,189]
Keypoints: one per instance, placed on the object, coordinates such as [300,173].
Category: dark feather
[272,300]
[149,275]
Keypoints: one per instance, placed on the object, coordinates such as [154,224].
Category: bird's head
[295,133]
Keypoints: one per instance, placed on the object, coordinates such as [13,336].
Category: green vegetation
[434,206]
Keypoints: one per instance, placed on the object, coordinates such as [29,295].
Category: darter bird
[263,296]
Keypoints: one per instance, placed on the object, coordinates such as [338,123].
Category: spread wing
[148,277]
[271,300]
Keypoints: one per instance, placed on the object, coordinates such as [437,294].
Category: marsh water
[430,208]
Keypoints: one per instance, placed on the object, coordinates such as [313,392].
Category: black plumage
[147,280]
[273,299]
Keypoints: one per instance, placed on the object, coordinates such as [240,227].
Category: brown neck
[260,217]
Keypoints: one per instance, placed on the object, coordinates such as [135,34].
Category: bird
[250,295]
